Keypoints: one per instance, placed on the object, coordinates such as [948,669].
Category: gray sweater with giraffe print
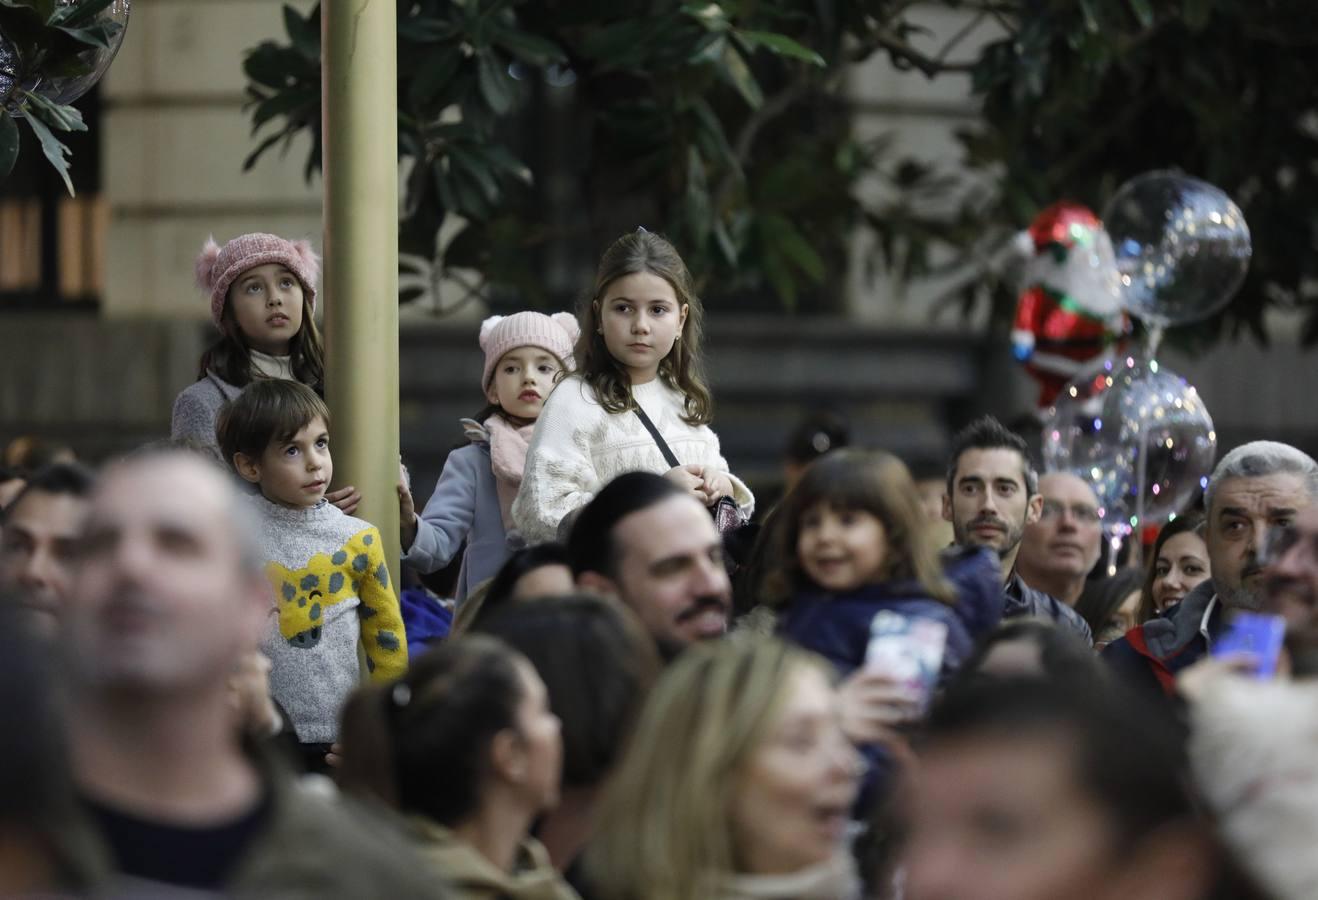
[332,591]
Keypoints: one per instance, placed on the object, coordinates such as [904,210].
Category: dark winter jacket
[1022,601]
[837,626]
[1151,654]
[313,844]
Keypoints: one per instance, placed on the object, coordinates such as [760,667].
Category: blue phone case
[1254,633]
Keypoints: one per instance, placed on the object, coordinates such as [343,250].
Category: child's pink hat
[500,334]
[217,267]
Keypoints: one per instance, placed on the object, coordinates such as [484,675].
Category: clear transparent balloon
[1182,247]
[1138,433]
[8,66]
[94,61]
[67,89]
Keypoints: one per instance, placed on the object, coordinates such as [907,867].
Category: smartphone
[907,649]
[1254,633]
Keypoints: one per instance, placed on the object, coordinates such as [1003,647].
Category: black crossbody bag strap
[727,517]
[658,438]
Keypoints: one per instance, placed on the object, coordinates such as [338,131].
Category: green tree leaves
[679,99]
[1081,96]
[724,124]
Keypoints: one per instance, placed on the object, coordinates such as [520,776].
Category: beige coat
[833,880]
[471,876]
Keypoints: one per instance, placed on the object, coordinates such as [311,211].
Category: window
[52,246]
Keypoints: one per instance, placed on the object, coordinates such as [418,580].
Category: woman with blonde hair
[737,784]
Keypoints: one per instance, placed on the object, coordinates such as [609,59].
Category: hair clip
[641,229]
[401,695]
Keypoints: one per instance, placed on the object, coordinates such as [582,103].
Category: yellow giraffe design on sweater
[355,570]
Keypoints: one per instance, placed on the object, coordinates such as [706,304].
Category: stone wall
[175,137]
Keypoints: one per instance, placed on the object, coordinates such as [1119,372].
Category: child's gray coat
[198,406]
[465,504]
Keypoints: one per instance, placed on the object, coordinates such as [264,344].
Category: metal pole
[359,97]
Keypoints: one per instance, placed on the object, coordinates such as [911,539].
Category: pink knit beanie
[501,334]
[217,267]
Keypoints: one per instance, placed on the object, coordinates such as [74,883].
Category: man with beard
[1256,488]
[992,495]
[1290,589]
[169,596]
[653,546]
[40,533]
[1252,741]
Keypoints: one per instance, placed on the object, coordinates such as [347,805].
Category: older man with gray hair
[1257,487]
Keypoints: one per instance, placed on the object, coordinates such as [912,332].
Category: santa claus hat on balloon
[1060,226]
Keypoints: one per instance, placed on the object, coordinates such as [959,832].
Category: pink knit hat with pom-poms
[218,267]
[501,334]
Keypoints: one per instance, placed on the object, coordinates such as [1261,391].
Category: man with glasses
[1058,551]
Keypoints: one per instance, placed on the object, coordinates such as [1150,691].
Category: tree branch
[961,36]
[929,66]
[770,109]
[773,107]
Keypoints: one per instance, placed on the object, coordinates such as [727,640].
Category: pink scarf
[508,460]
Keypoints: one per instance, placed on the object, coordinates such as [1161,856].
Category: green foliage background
[551,123]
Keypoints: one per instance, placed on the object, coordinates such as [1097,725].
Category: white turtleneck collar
[272,366]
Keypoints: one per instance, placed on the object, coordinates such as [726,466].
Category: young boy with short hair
[328,570]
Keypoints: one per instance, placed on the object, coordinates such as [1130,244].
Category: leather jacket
[1021,600]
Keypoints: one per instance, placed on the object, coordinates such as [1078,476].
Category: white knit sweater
[578,447]
[1254,752]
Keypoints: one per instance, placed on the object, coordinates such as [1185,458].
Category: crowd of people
[639,687]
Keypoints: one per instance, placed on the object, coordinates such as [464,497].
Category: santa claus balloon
[1070,305]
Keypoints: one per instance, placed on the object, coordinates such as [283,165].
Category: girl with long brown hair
[262,294]
[638,366]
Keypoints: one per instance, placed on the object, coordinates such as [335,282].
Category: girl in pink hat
[262,292]
[525,355]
